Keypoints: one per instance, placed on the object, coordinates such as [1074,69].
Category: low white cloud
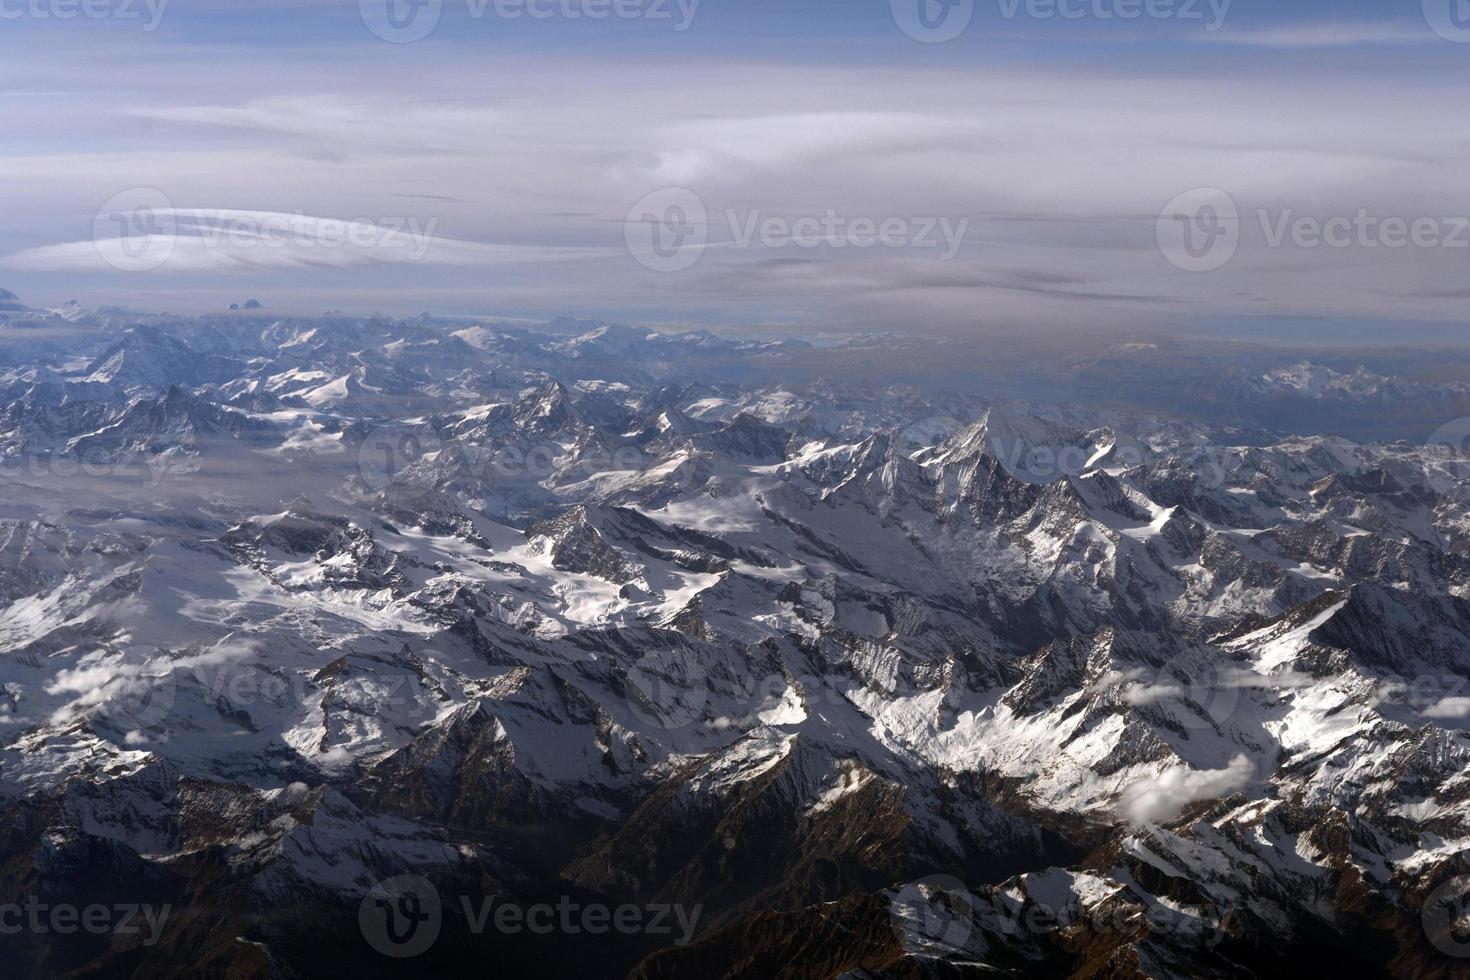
[101,679]
[1283,680]
[1138,695]
[221,240]
[1062,176]
[1331,35]
[1138,687]
[1164,797]
[1448,709]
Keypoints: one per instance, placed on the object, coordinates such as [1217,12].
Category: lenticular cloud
[223,240]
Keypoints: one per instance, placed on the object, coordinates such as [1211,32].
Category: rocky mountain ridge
[881,681]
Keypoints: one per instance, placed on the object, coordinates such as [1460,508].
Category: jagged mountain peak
[778,648]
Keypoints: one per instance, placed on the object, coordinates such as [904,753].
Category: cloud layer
[511,161]
[1163,798]
[215,240]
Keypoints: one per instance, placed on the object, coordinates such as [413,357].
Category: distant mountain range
[321,638]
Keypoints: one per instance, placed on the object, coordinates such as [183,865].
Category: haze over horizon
[851,177]
[728,489]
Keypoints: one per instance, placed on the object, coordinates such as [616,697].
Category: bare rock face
[845,680]
[573,544]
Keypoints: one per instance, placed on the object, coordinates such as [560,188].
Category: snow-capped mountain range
[864,679]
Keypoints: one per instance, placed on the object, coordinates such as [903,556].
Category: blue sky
[1025,170]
